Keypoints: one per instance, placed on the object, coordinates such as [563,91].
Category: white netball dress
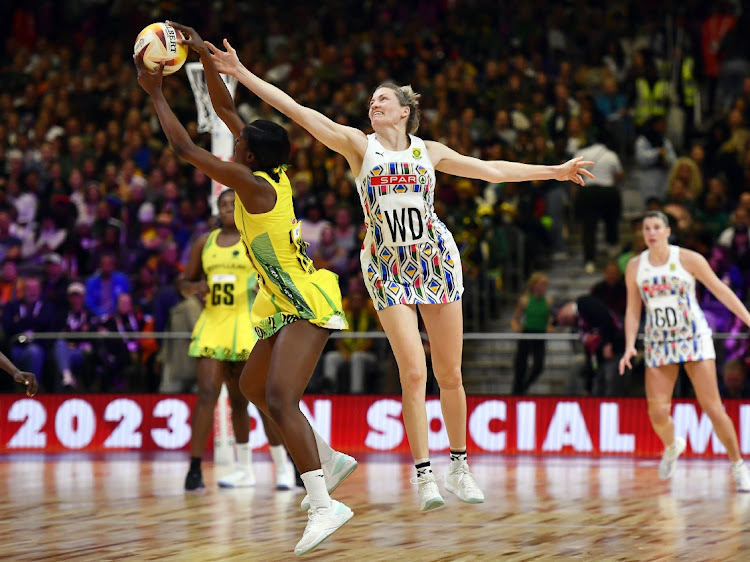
[676,330]
[408,255]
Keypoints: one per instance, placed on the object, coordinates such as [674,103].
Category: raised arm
[697,265]
[632,314]
[347,141]
[232,174]
[447,160]
[221,99]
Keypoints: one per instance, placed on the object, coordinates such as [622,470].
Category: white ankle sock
[278,454]
[325,452]
[315,484]
[244,455]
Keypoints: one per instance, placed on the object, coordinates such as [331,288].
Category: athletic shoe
[668,462]
[240,478]
[321,523]
[338,467]
[194,481]
[741,477]
[285,476]
[429,493]
[462,483]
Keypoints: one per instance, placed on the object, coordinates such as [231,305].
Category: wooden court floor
[125,507]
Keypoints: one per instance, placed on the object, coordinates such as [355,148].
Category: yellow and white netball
[160,42]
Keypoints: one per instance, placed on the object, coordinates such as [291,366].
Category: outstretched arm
[499,171]
[221,99]
[19,376]
[699,267]
[231,174]
[347,141]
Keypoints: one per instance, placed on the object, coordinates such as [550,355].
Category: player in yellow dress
[296,306]
[219,272]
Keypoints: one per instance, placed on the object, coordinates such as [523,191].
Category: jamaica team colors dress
[223,330]
[676,330]
[408,255]
[290,287]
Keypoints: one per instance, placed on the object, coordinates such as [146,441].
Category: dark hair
[222,195]
[662,216]
[269,143]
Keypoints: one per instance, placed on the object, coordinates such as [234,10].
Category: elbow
[181,149]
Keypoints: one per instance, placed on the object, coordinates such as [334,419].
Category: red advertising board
[357,424]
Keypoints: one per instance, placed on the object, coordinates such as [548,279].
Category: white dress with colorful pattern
[408,255]
[676,330]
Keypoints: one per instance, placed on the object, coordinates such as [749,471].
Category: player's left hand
[149,81]
[190,38]
[29,380]
[574,170]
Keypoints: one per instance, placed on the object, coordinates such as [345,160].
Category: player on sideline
[219,272]
[409,259]
[296,306]
[663,278]
[19,376]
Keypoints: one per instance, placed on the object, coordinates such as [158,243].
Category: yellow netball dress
[223,330]
[290,287]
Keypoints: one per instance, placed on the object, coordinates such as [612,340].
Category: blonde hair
[407,97]
[695,184]
[534,279]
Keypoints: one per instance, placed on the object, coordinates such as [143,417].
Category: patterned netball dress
[408,255]
[291,289]
[223,330]
[676,330]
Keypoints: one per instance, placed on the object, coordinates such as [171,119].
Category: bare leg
[444,323]
[210,378]
[703,376]
[660,383]
[240,417]
[402,328]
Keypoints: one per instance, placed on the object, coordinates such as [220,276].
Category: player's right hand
[626,357]
[190,38]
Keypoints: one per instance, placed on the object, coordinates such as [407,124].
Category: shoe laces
[426,479]
[465,477]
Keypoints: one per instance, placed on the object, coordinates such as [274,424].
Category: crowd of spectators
[97,214]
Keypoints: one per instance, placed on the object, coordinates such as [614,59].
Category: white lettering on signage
[319,418]
[75,423]
[130,416]
[696,431]
[479,425]
[567,428]
[386,430]
[177,433]
[610,438]
[526,426]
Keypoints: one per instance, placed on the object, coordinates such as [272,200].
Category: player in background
[219,272]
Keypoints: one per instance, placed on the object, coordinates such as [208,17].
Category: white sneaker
[338,467]
[240,478]
[429,493]
[462,483]
[321,523]
[285,476]
[741,477]
[668,462]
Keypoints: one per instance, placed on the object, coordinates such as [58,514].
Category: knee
[659,412]
[713,410]
[278,405]
[238,403]
[450,380]
[413,379]
[207,394]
